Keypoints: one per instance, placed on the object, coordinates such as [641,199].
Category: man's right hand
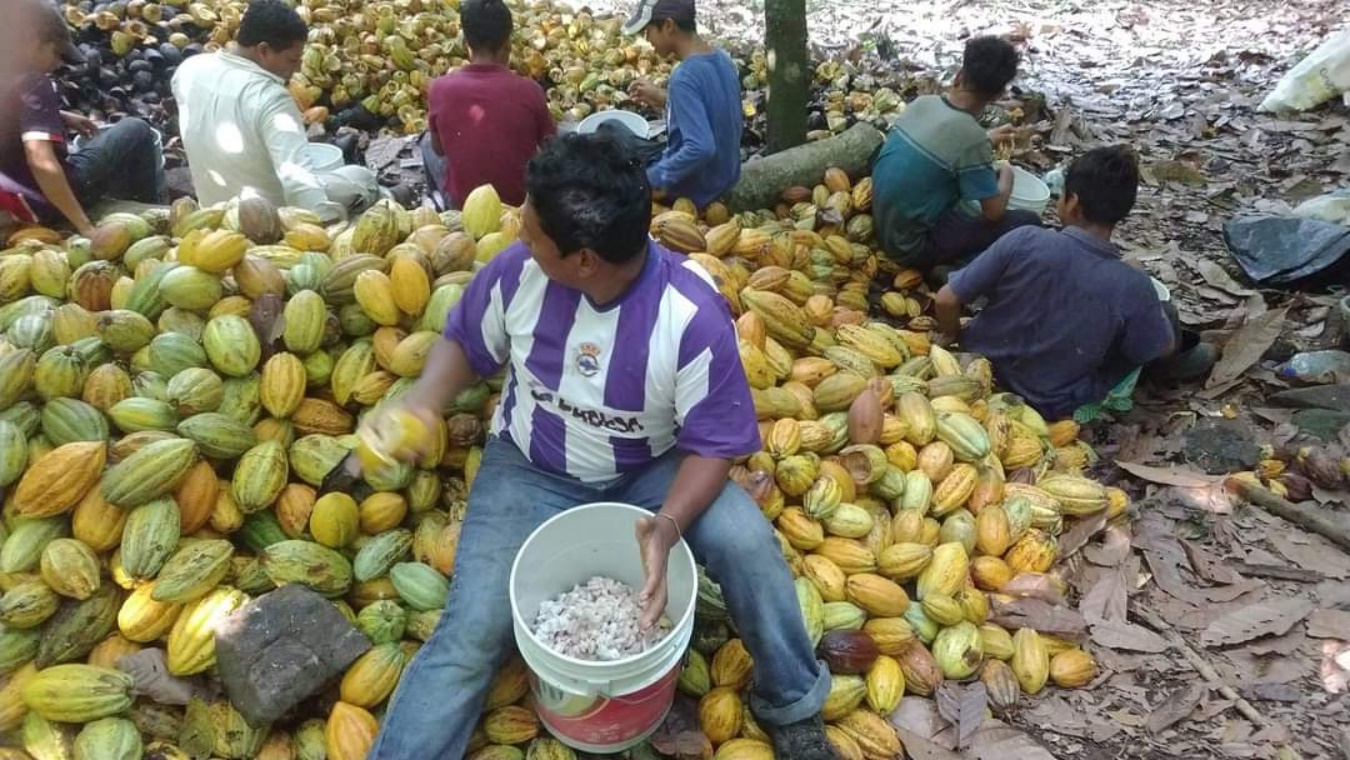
[643,91]
[380,429]
[1005,179]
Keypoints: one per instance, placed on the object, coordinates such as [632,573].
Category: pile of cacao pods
[174,389]
[371,60]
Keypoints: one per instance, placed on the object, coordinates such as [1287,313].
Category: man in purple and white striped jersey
[623,383]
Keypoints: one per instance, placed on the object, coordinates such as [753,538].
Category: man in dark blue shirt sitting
[703,105]
[1066,319]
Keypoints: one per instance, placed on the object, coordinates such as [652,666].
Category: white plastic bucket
[324,157]
[1029,193]
[1164,295]
[634,122]
[599,707]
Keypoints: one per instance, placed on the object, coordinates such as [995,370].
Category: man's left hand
[656,536]
[79,124]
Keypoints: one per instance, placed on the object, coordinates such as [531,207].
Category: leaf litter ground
[1199,584]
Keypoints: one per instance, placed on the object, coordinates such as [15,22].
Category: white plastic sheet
[1321,76]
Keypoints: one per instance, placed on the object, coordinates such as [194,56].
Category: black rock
[1220,446]
[140,66]
[143,81]
[1323,424]
[170,54]
[282,648]
[1335,397]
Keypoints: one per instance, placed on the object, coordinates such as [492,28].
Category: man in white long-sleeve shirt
[243,131]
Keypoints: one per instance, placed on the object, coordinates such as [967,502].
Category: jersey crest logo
[588,359]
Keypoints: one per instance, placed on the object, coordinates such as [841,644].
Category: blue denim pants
[122,162]
[442,691]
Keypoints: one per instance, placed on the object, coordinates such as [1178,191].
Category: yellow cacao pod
[997,641]
[946,572]
[731,665]
[1034,552]
[1030,662]
[892,635]
[904,561]
[885,685]
[877,595]
[847,692]
[850,555]
[720,715]
[1073,669]
[876,738]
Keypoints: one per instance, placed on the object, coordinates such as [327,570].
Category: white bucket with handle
[1029,193]
[324,157]
[599,707]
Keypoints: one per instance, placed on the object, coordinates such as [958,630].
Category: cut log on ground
[763,179]
[1332,526]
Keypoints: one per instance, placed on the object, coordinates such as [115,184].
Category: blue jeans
[957,238]
[121,162]
[442,691]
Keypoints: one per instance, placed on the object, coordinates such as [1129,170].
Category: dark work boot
[803,740]
[1192,361]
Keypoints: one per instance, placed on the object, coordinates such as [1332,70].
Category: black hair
[686,25]
[487,24]
[1106,181]
[990,64]
[273,22]
[591,192]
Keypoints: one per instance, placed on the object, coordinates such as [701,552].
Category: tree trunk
[763,180]
[789,72]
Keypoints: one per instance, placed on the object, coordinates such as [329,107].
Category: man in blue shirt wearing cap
[702,159]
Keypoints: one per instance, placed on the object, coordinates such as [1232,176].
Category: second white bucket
[1029,193]
[599,707]
[324,157]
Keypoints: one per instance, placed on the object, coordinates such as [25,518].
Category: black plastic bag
[646,151]
[1276,250]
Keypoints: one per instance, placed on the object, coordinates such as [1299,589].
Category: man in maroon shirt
[484,119]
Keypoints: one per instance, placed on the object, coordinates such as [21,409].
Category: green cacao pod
[259,476]
[150,537]
[309,564]
[149,473]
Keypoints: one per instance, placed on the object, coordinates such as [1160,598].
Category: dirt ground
[1221,630]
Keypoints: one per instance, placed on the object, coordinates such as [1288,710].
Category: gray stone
[1334,397]
[280,648]
[149,670]
[1323,424]
[1220,446]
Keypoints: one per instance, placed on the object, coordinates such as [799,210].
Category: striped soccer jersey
[594,392]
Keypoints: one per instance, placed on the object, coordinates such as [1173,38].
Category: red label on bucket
[603,724]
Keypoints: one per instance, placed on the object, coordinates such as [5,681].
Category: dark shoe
[1189,364]
[401,194]
[938,275]
[803,740]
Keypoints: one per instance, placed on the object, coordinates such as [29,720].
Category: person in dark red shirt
[485,120]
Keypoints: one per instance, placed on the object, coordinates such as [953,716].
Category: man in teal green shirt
[938,158]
